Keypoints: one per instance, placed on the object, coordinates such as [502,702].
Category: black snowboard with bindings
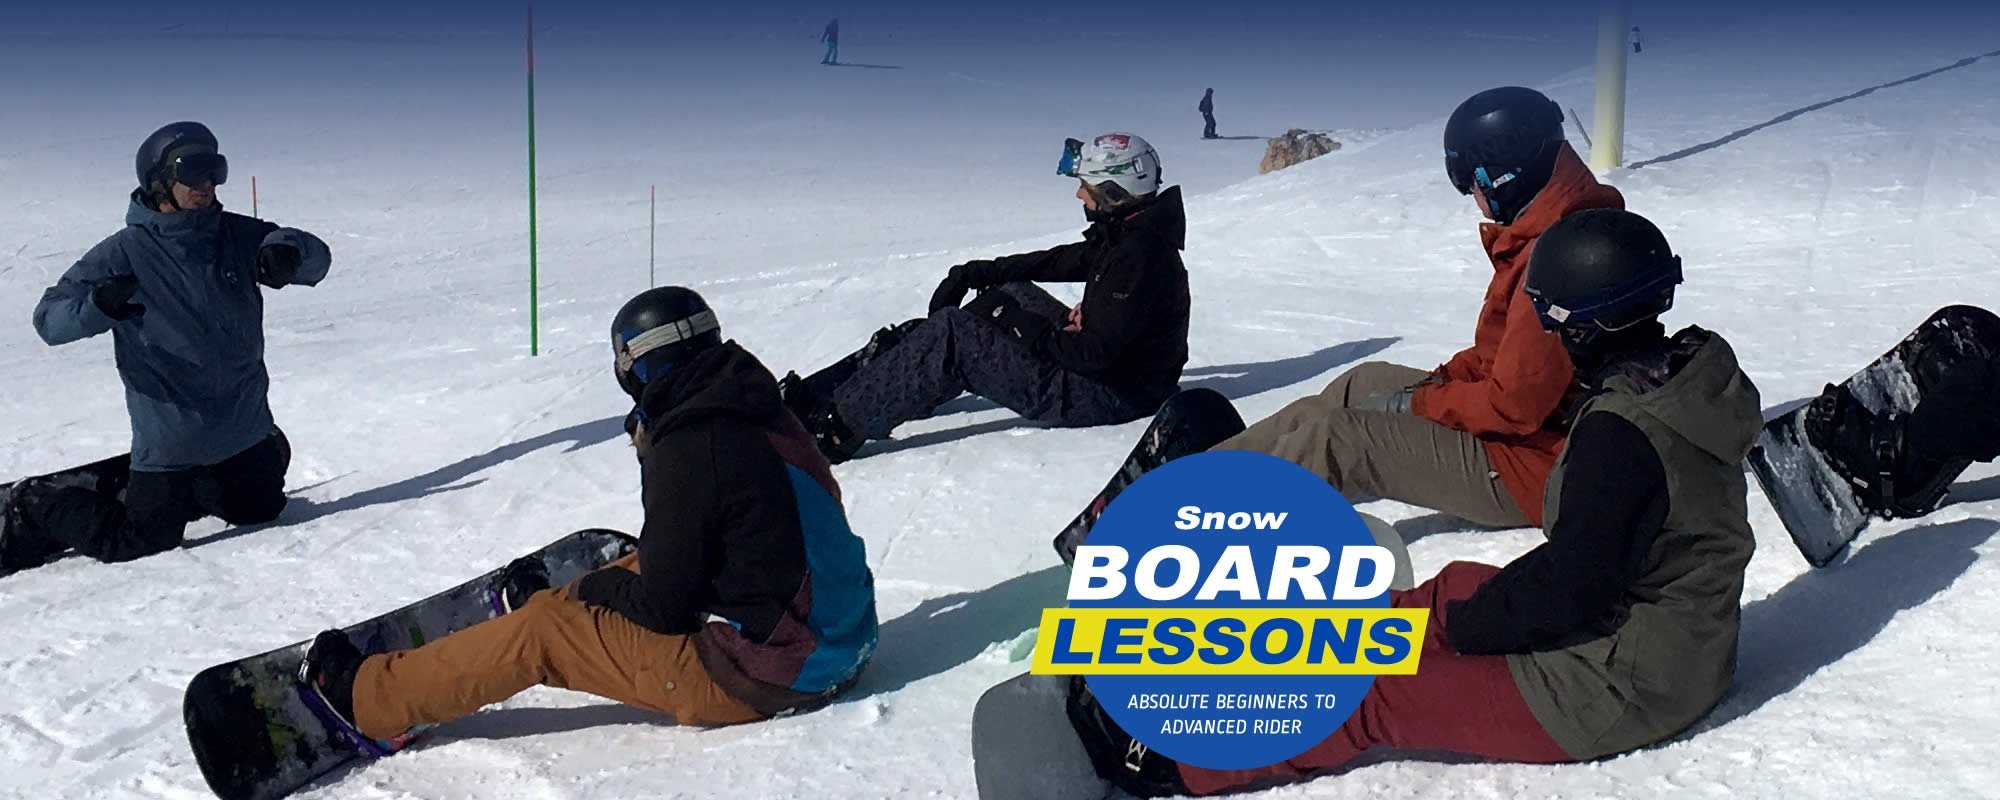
[258,731]
[107,477]
[1191,421]
[1841,459]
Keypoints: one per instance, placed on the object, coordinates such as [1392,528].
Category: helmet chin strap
[167,192]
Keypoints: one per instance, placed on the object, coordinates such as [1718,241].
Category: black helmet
[1602,269]
[1503,141]
[659,330]
[183,151]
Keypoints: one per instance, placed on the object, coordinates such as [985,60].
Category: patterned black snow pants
[955,352]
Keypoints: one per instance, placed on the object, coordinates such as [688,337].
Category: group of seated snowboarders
[1574,410]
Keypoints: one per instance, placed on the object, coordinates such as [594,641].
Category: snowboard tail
[1823,506]
[1024,747]
[256,733]
[1190,422]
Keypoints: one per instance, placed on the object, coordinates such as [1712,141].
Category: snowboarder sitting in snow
[1113,358]
[1476,437]
[178,288]
[1621,629]
[748,596]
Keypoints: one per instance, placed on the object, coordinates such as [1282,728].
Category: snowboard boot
[835,439]
[1870,451]
[521,579]
[816,411]
[22,545]
[1119,758]
[327,677]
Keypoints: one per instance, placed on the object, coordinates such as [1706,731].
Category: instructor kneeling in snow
[748,597]
[1619,631]
[178,290]
[1113,358]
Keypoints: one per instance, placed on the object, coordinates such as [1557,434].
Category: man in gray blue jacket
[179,290]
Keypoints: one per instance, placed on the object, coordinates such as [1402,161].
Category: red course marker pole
[652,233]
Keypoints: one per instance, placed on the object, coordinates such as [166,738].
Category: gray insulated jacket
[193,363]
[1669,652]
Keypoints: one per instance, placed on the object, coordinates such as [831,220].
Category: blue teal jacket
[193,363]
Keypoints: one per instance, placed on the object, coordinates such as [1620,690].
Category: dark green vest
[1668,652]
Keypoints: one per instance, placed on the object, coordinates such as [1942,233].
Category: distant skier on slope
[1113,358]
[1620,631]
[748,597]
[178,288]
[1207,109]
[831,36]
[1477,436]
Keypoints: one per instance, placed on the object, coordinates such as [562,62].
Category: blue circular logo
[1228,643]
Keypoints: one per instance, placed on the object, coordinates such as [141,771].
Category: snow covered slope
[812,205]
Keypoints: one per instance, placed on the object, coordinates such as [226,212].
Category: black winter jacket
[1135,298]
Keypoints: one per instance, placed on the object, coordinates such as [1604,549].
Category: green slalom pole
[534,284]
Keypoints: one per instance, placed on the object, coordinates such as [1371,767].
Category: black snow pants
[956,351]
[245,489]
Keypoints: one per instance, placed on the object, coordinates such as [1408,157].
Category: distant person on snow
[179,289]
[1618,632]
[1113,358]
[1477,436]
[1207,108]
[1636,44]
[749,596]
[831,36]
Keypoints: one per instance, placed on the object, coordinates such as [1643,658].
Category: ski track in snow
[429,447]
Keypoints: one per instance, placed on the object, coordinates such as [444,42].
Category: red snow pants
[1456,706]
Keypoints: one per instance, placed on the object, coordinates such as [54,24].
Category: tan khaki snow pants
[1374,454]
[552,640]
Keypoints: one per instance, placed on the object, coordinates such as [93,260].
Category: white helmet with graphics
[1119,167]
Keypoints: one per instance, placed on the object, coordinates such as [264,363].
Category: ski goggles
[627,350]
[1594,308]
[1465,175]
[1460,169]
[1072,155]
[190,169]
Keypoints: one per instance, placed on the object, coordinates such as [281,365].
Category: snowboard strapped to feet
[1824,484]
[258,732]
[21,548]
[810,398]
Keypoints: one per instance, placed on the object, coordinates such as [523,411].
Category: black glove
[1395,401]
[278,265]
[113,296]
[950,291]
[1001,309]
